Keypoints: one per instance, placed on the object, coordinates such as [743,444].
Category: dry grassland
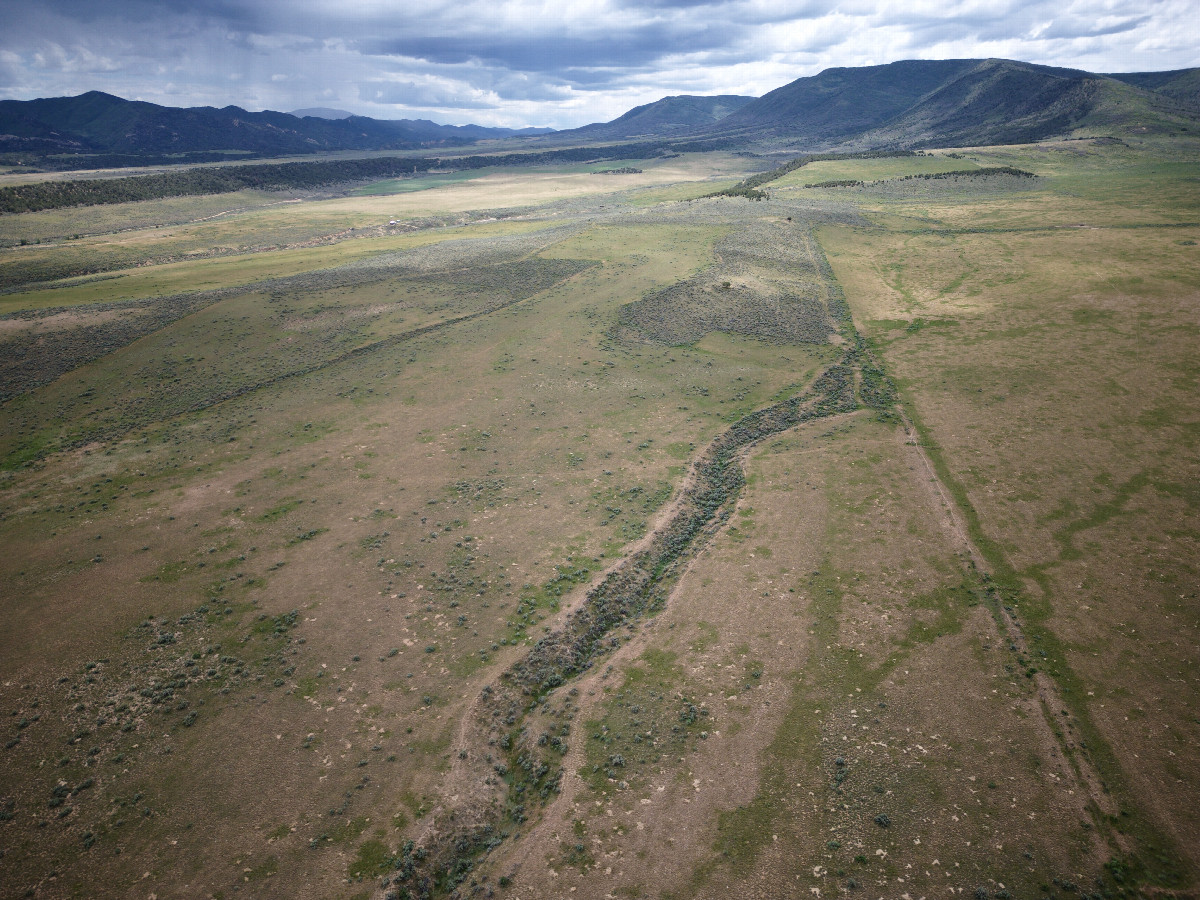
[567,539]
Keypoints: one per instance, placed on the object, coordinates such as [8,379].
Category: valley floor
[582,534]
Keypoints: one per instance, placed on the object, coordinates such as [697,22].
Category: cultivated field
[580,534]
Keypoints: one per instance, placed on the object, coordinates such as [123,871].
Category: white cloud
[519,62]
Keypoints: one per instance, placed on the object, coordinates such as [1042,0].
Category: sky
[539,63]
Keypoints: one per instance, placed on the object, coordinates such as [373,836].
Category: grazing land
[588,534]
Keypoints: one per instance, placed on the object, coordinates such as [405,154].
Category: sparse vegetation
[748,187]
[606,538]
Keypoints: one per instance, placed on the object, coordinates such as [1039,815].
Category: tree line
[298,175]
[748,187]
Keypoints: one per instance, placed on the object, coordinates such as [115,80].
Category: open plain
[584,534]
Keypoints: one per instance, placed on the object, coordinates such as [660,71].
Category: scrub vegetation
[697,532]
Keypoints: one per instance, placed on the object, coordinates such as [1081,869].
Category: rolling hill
[919,103]
[670,115]
[1181,85]
[906,104]
[321,112]
[99,123]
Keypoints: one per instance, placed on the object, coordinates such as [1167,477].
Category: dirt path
[1050,706]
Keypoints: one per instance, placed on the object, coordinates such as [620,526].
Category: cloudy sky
[539,62]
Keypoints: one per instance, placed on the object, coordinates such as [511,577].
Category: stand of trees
[299,175]
[748,187]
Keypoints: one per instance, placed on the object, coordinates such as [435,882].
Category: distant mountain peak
[96,125]
[902,104]
[953,102]
[680,112]
[321,112]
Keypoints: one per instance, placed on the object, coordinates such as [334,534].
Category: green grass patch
[348,830]
[948,605]
[278,512]
[167,573]
[417,183]
[872,169]
[645,721]
[265,869]
[372,860]
[303,536]
[535,603]
[1007,593]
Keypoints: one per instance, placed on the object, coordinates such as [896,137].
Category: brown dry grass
[836,615]
[1051,367]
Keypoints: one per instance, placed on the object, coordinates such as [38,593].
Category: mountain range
[907,104]
[920,103]
[663,118]
[99,123]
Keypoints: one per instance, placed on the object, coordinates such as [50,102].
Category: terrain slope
[906,104]
[926,103]
[562,531]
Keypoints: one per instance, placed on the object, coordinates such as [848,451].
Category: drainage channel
[493,799]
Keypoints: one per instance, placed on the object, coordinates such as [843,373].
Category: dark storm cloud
[541,61]
[611,50]
[1068,29]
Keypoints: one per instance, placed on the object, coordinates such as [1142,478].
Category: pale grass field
[433,505]
[1052,369]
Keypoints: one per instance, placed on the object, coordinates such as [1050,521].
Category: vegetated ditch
[514,773]
[504,771]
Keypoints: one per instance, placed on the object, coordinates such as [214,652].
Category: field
[581,534]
